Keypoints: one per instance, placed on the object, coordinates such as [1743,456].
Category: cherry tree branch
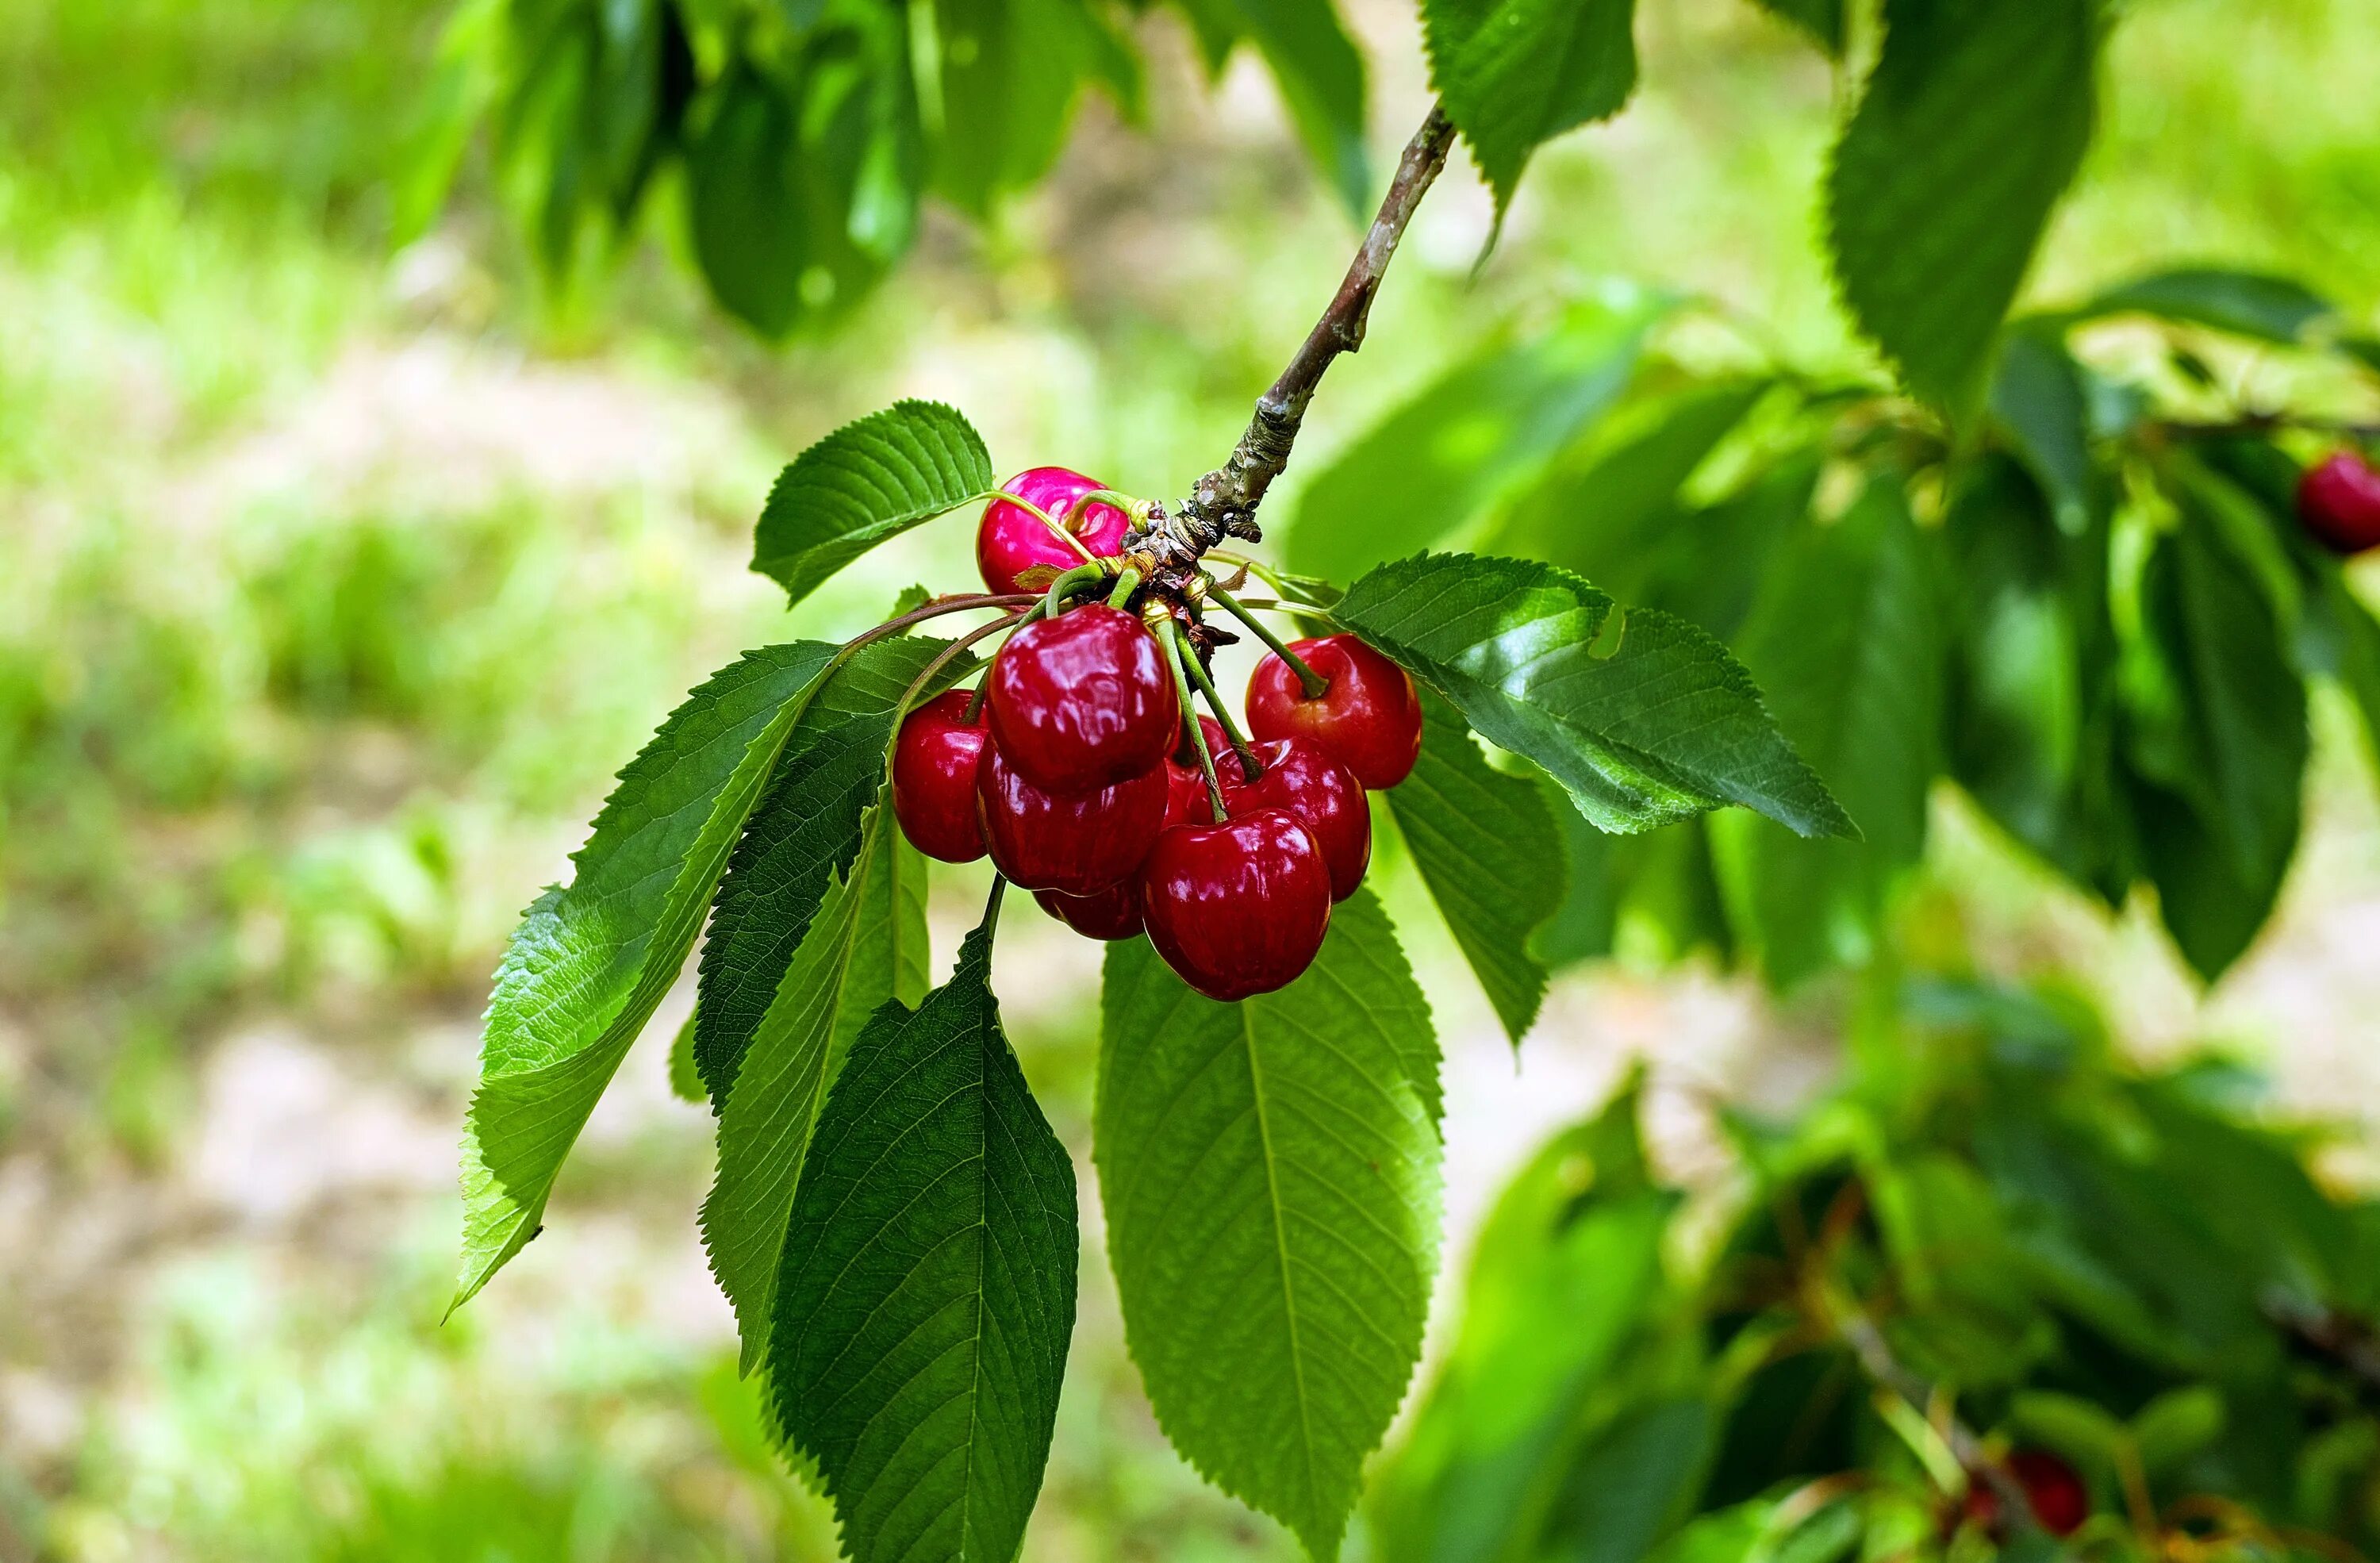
[1223,503]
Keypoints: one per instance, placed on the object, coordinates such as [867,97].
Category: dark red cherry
[2053,1490]
[1012,539]
[1239,908]
[1081,700]
[1319,791]
[1185,795]
[933,778]
[1111,914]
[1074,843]
[2338,500]
[1369,720]
[1218,744]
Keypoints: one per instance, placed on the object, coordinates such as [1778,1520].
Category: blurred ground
[333,586]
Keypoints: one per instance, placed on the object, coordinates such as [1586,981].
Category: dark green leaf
[589,964]
[1513,74]
[1709,563]
[1011,73]
[1320,73]
[2041,399]
[864,483]
[1822,20]
[928,1294]
[1269,1170]
[1661,726]
[2247,303]
[1480,430]
[1973,121]
[1847,642]
[1491,852]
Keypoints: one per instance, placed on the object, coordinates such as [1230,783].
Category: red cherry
[1081,700]
[1074,843]
[1186,797]
[1218,744]
[933,778]
[2338,500]
[1369,720]
[2053,1490]
[1012,539]
[1319,791]
[1111,914]
[1239,908]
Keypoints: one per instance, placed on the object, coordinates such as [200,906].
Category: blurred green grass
[290,724]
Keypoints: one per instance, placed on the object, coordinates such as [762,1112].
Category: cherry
[1217,742]
[1012,539]
[1073,843]
[2338,500]
[933,778]
[1239,908]
[1185,795]
[2053,1490]
[1369,720]
[1318,790]
[1111,914]
[1081,700]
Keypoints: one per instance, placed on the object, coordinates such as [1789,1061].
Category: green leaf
[1973,121]
[2245,303]
[2358,654]
[1492,854]
[2042,400]
[685,1081]
[1270,1171]
[1320,73]
[866,945]
[864,483]
[2177,1424]
[1709,566]
[1847,643]
[1011,71]
[928,1294]
[1482,430]
[589,964]
[1661,726]
[1513,74]
[805,830]
[1822,20]
[2082,1432]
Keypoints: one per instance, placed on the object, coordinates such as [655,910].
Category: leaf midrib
[1280,1250]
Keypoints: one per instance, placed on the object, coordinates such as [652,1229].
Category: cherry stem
[1126,584]
[992,906]
[1055,601]
[1174,654]
[1199,676]
[941,660]
[975,701]
[918,616]
[1064,533]
[1315,683]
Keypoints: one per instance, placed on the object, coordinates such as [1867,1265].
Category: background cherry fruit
[933,778]
[1369,720]
[1072,843]
[1239,908]
[2053,1490]
[2338,500]
[1081,700]
[1319,791]
[1011,540]
[1111,914]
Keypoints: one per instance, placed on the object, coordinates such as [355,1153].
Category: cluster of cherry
[1077,767]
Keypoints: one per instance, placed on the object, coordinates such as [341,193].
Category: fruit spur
[1083,767]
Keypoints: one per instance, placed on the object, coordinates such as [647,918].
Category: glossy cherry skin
[1239,908]
[1072,843]
[1111,914]
[1216,744]
[1185,795]
[1369,720]
[1319,791]
[2338,500]
[934,768]
[1081,700]
[2052,1490]
[1011,540]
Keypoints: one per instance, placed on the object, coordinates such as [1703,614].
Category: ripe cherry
[2053,1490]
[1111,914]
[1012,539]
[1239,908]
[1369,720]
[1081,700]
[933,778]
[1185,795]
[1319,791]
[2338,500]
[1073,843]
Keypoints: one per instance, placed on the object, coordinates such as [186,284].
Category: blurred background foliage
[337,571]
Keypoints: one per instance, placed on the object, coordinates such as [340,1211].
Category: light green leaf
[865,945]
[1659,727]
[864,483]
[1973,121]
[1482,430]
[927,1295]
[589,964]
[1515,73]
[2072,1426]
[1821,19]
[1492,854]
[685,1081]
[2358,656]
[1320,73]
[2177,1424]
[2245,303]
[1847,643]
[1269,1170]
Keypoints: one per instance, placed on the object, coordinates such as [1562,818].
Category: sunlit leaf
[864,483]
[1513,74]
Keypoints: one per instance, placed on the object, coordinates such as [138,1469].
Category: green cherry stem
[1316,684]
[1127,582]
[1001,495]
[975,701]
[941,660]
[1056,600]
[1175,652]
[1198,676]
